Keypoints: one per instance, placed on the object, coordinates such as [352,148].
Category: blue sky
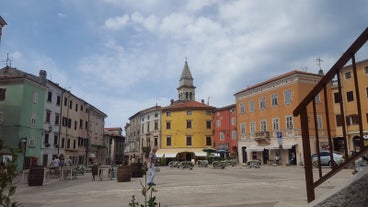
[124,56]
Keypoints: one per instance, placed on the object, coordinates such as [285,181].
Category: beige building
[81,131]
[266,127]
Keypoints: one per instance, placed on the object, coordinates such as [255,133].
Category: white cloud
[117,23]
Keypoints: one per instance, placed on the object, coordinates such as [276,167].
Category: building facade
[186,126]
[46,120]
[266,128]
[348,117]
[224,131]
[115,146]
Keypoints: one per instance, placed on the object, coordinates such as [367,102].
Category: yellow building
[266,128]
[186,124]
[350,106]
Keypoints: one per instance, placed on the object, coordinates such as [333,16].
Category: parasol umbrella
[209,150]
[221,151]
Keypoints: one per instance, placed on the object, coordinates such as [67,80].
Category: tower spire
[186,89]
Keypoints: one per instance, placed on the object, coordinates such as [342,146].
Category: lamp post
[24,148]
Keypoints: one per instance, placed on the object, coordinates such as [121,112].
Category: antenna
[7,60]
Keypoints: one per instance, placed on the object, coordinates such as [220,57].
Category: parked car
[326,158]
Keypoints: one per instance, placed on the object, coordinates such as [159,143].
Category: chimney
[172,101]
[202,101]
[43,75]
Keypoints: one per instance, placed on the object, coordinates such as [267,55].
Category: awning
[172,152]
[269,147]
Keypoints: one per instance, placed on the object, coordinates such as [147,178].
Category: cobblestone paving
[237,186]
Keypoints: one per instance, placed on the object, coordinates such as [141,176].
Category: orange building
[224,130]
[266,127]
[350,106]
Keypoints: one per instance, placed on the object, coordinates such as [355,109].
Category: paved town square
[237,186]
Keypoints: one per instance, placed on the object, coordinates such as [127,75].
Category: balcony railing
[308,110]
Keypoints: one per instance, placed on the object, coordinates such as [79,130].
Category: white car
[326,158]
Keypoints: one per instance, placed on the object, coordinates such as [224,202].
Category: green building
[22,106]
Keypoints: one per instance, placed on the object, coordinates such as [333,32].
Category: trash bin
[36,176]
[137,170]
[124,174]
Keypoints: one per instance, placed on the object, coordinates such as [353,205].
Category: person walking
[94,171]
[151,166]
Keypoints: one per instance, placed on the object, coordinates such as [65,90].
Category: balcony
[262,137]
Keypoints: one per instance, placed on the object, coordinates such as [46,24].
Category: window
[222,136]
[233,121]
[76,107]
[287,97]
[35,97]
[70,123]
[319,122]
[317,98]
[148,117]
[242,128]
[337,97]
[2,94]
[208,124]
[347,75]
[156,125]
[148,127]
[208,141]
[366,69]
[33,119]
[70,104]
[289,122]
[156,115]
[48,116]
[46,141]
[208,113]
[168,141]
[252,127]
[56,140]
[189,112]
[81,123]
[68,143]
[275,124]
[242,108]
[218,123]
[65,101]
[168,113]
[189,124]
[62,142]
[338,120]
[75,125]
[155,141]
[352,119]
[32,142]
[49,96]
[274,100]
[168,125]
[251,106]
[58,99]
[189,141]
[350,96]
[233,135]
[366,91]
[262,103]
[263,126]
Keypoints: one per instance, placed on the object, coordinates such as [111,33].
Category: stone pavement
[237,186]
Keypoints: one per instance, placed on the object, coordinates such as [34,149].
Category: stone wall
[354,193]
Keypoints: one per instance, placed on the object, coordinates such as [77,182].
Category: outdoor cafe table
[68,172]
